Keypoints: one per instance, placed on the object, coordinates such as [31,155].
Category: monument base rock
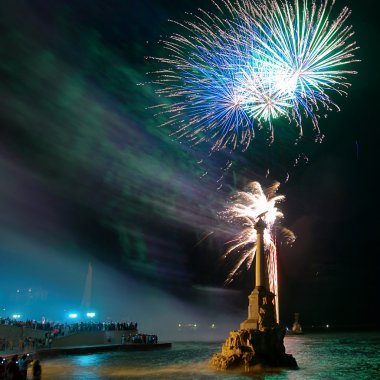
[247,349]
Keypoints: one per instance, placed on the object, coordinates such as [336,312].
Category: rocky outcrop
[296,328]
[246,349]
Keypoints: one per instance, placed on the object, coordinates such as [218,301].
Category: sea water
[324,356]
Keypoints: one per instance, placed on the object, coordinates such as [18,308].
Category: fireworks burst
[250,62]
[246,207]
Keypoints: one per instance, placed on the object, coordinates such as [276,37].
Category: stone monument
[260,340]
[296,328]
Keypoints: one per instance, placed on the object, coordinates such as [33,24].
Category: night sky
[86,175]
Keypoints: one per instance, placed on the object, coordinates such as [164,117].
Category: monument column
[260,258]
[261,307]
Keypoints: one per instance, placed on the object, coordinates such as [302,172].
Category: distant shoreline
[338,328]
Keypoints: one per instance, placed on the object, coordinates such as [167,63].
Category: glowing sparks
[246,207]
[250,62]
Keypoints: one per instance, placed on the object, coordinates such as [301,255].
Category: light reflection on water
[348,356]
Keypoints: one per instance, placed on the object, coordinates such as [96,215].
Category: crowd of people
[36,325]
[140,338]
[26,344]
[102,326]
[60,328]
[53,330]
[16,368]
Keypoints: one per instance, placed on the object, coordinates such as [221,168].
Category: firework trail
[248,63]
[245,208]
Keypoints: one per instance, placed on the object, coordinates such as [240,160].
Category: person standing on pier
[12,371]
[36,370]
[23,365]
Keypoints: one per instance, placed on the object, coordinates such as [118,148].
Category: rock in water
[245,349]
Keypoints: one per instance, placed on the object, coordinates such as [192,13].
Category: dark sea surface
[324,356]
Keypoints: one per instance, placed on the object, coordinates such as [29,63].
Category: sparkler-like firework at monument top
[247,207]
[249,63]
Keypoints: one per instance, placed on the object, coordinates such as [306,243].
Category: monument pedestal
[260,340]
[246,349]
[261,310]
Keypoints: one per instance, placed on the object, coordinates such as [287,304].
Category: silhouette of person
[36,370]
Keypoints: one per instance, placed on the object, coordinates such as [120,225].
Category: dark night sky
[86,175]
